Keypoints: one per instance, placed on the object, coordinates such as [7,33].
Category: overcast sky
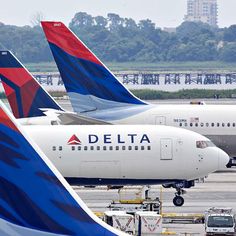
[165,13]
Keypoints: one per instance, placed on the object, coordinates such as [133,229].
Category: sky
[165,13]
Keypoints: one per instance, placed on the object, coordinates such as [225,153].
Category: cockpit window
[204,144]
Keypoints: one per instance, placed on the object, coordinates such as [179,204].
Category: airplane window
[185,124]
[73,148]
[196,124]
[228,124]
[104,148]
[218,124]
[202,124]
[212,124]
[85,148]
[142,147]
[130,147]
[123,147]
[233,124]
[180,124]
[207,124]
[60,148]
[204,144]
[54,148]
[117,148]
[98,148]
[136,148]
[110,148]
[79,148]
[148,147]
[191,124]
[223,124]
[91,148]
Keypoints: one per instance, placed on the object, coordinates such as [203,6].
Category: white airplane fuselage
[104,154]
[217,122]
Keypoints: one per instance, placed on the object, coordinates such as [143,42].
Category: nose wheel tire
[178,201]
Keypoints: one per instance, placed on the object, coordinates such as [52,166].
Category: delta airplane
[35,199]
[129,155]
[105,154]
[95,92]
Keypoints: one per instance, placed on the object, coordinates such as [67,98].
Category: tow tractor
[142,202]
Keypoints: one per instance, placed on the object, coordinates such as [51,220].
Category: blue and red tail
[24,93]
[89,84]
[35,200]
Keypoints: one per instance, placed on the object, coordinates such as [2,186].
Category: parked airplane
[74,169]
[129,155]
[35,199]
[29,101]
[96,92]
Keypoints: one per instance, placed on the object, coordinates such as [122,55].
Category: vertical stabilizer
[89,84]
[25,95]
[35,200]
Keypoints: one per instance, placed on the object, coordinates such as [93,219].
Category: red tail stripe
[58,34]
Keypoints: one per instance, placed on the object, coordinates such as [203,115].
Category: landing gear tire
[178,201]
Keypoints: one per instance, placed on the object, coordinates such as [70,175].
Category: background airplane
[129,155]
[35,198]
[96,92]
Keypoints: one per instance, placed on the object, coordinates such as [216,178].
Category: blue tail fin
[35,200]
[24,93]
[90,85]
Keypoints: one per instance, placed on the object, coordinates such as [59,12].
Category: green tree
[228,53]
[230,34]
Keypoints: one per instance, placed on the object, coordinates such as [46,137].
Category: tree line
[117,39]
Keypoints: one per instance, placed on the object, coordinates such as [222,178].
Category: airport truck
[219,221]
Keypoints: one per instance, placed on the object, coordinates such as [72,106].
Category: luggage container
[120,220]
[147,223]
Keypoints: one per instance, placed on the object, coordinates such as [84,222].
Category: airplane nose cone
[223,159]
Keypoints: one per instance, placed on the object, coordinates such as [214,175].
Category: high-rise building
[202,10]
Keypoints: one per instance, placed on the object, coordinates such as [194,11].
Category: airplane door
[166,149]
[160,120]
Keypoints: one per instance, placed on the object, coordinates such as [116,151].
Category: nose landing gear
[178,200]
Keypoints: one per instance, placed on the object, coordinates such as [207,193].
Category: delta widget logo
[74,140]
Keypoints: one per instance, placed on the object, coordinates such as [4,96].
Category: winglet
[24,93]
[89,84]
[35,198]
